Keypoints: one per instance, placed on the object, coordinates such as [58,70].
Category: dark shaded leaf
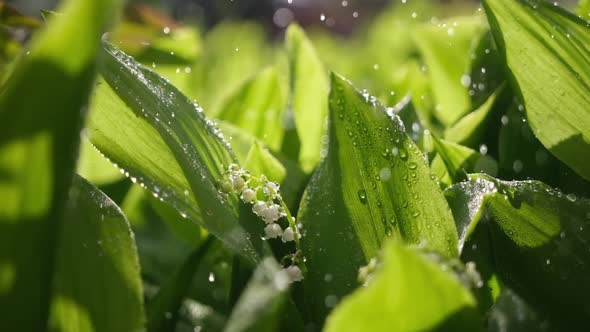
[261,302]
[97,283]
[162,310]
[40,125]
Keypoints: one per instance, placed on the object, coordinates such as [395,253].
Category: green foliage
[413,293]
[97,246]
[309,88]
[446,193]
[38,148]
[545,51]
[373,183]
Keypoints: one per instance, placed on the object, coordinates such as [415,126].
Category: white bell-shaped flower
[272,231]
[248,195]
[288,235]
[259,208]
[294,273]
[237,182]
[271,214]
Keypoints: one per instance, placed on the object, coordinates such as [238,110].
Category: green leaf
[169,298]
[97,283]
[40,123]
[260,304]
[539,239]
[461,160]
[546,51]
[373,183]
[445,49]
[309,99]
[409,293]
[257,108]
[261,162]
[163,141]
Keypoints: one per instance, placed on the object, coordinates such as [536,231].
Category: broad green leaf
[546,51]
[163,140]
[261,162]
[40,123]
[373,183]
[445,48]
[540,240]
[97,282]
[259,306]
[94,167]
[257,108]
[309,96]
[409,293]
[461,160]
[169,298]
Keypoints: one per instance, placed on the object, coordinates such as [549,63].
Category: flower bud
[227,187]
[248,195]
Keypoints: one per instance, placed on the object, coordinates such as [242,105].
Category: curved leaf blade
[309,99]
[539,240]
[546,51]
[97,285]
[409,293]
[181,145]
[373,183]
[40,127]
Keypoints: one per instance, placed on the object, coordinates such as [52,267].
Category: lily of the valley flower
[294,273]
[267,203]
[272,231]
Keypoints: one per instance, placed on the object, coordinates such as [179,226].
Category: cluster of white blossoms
[267,203]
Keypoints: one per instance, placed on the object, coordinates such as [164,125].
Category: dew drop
[403,154]
[362,196]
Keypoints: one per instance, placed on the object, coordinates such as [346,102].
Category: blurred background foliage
[220,53]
